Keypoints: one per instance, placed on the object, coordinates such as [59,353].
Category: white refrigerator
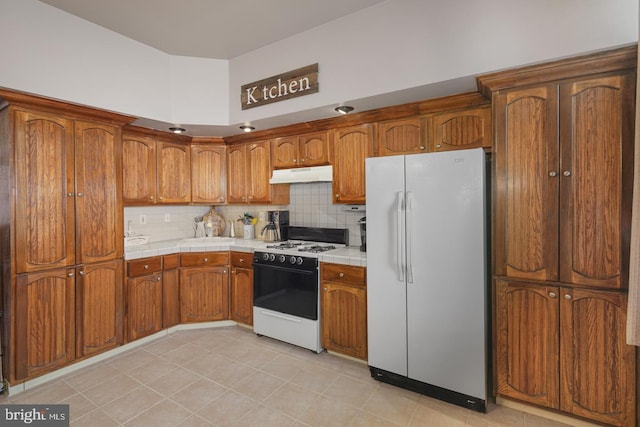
[427,257]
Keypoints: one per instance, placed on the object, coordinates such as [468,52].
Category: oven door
[286,290]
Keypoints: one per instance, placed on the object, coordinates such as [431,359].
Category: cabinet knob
[438,145]
[206,260]
[302,159]
[70,194]
[70,274]
[566,173]
[337,196]
[150,197]
[241,259]
[224,271]
[295,160]
[81,273]
[80,194]
[567,296]
[146,267]
[552,294]
[158,278]
[341,275]
[553,173]
[422,147]
[324,289]
[222,199]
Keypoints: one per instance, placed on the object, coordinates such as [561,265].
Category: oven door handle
[287,269]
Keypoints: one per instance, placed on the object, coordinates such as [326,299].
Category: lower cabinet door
[344,319]
[597,366]
[204,294]
[170,298]
[44,321]
[242,295]
[527,322]
[99,307]
[144,306]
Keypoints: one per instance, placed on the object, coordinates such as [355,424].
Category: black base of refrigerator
[440,393]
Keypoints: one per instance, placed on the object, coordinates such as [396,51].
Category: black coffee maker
[363,233]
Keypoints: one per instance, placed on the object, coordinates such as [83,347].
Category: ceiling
[203,28]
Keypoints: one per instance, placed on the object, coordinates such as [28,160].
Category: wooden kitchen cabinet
[573,176]
[344,309]
[143,295]
[138,169]
[170,290]
[173,172]
[99,214]
[156,167]
[204,286]
[249,171]
[241,302]
[457,130]
[208,173]
[563,163]
[564,348]
[68,192]
[45,198]
[349,147]
[44,323]
[406,136]
[99,307]
[300,150]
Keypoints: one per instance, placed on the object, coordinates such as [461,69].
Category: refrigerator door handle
[399,235]
[409,222]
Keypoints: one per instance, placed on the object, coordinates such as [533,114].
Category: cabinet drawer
[170,262]
[343,273]
[241,259]
[200,259]
[143,266]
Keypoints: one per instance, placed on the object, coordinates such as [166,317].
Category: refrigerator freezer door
[386,287]
[446,299]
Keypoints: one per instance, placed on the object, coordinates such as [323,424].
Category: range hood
[311,174]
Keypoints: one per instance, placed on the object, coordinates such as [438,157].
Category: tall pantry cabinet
[563,167]
[62,246]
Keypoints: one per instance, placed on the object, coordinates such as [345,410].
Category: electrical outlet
[143,219]
[167,217]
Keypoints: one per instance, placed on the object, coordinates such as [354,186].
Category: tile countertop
[350,255]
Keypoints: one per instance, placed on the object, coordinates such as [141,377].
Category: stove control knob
[292,260]
[272,257]
[299,261]
[282,258]
[265,257]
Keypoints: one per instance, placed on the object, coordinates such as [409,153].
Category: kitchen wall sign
[299,82]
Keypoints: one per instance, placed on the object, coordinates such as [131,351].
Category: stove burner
[285,245]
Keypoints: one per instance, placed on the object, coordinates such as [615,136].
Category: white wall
[52,53]
[388,48]
[401,44]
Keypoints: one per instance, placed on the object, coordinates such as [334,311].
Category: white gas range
[286,286]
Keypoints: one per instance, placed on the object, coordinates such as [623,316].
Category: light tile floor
[230,377]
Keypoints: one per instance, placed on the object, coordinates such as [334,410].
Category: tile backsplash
[310,206]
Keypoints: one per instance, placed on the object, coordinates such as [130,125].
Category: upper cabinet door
[138,170]
[462,129]
[407,136]
[526,184]
[45,193]
[98,195]
[236,174]
[313,149]
[349,147]
[174,173]
[596,134]
[284,152]
[208,172]
[258,172]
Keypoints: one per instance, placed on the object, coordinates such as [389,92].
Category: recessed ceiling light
[247,128]
[177,129]
[344,109]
